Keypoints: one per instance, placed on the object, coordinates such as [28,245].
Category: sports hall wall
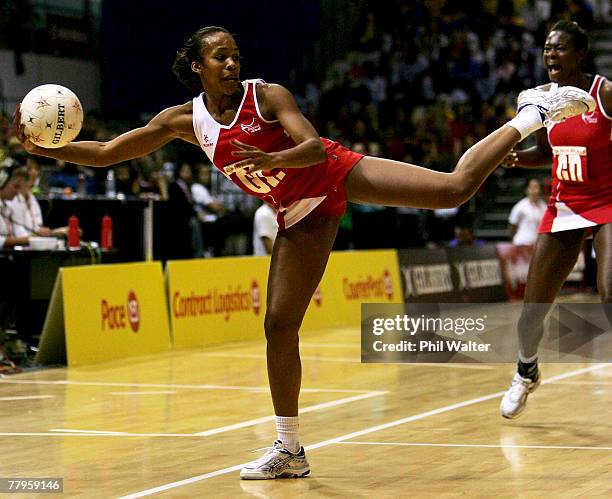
[137,309]
[73,73]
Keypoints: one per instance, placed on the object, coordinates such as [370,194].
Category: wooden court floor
[181,425]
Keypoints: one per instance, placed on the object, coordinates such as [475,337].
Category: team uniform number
[258,182]
[571,163]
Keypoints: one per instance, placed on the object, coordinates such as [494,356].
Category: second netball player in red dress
[580,202]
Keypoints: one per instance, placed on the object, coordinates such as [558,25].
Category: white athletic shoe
[557,105]
[278,462]
[515,399]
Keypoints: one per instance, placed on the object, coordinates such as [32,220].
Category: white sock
[527,121]
[287,429]
[527,360]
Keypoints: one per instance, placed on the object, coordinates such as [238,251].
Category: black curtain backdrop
[139,39]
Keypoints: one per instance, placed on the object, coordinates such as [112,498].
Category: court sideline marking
[317,407]
[359,433]
[28,397]
[352,360]
[206,433]
[264,389]
[484,446]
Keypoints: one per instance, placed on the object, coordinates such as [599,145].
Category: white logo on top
[590,118]
[251,127]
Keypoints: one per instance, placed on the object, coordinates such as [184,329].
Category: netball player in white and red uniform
[294,192]
[255,133]
[580,201]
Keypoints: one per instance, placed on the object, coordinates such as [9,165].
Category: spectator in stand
[525,216]
[126,180]
[208,210]
[152,182]
[183,212]
[265,228]
[12,181]
[464,236]
[582,13]
[65,175]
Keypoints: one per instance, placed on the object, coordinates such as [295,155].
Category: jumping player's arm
[172,123]
[533,157]
[277,103]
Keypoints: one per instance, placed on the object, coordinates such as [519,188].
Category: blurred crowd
[421,83]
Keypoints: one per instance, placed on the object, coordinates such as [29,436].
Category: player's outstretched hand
[19,131]
[511,160]
[255,159]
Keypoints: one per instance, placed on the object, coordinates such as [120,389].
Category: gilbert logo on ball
[52,115]
[133,311]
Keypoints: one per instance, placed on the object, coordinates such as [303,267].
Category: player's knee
[522,326]
[604,282]
[281,330]
[532,318]
[605,291]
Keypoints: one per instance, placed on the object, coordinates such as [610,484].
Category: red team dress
[581,194]
[293,192]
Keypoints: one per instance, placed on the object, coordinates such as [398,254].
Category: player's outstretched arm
[171,123]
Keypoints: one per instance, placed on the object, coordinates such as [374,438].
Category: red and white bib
[581,193]
[293,192]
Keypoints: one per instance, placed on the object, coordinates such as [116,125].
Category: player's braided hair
[580,38]
[189,52]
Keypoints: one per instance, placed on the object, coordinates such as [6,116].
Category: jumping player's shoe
[515,399]
[557,105]
[278,462]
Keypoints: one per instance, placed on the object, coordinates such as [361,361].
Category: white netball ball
[52,115]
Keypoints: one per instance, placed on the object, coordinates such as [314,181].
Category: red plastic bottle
[74,234]
[106,233]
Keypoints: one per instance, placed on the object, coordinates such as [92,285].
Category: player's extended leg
[602,240]
[299,258]
[393,183]
[553,259]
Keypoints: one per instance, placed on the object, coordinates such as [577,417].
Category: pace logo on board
[118,315]
[133,311]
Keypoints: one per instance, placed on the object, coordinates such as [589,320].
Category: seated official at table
[26,210]
[12,180]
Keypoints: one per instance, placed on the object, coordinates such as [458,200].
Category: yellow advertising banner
[216,300]
[114,311]
[353,278]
